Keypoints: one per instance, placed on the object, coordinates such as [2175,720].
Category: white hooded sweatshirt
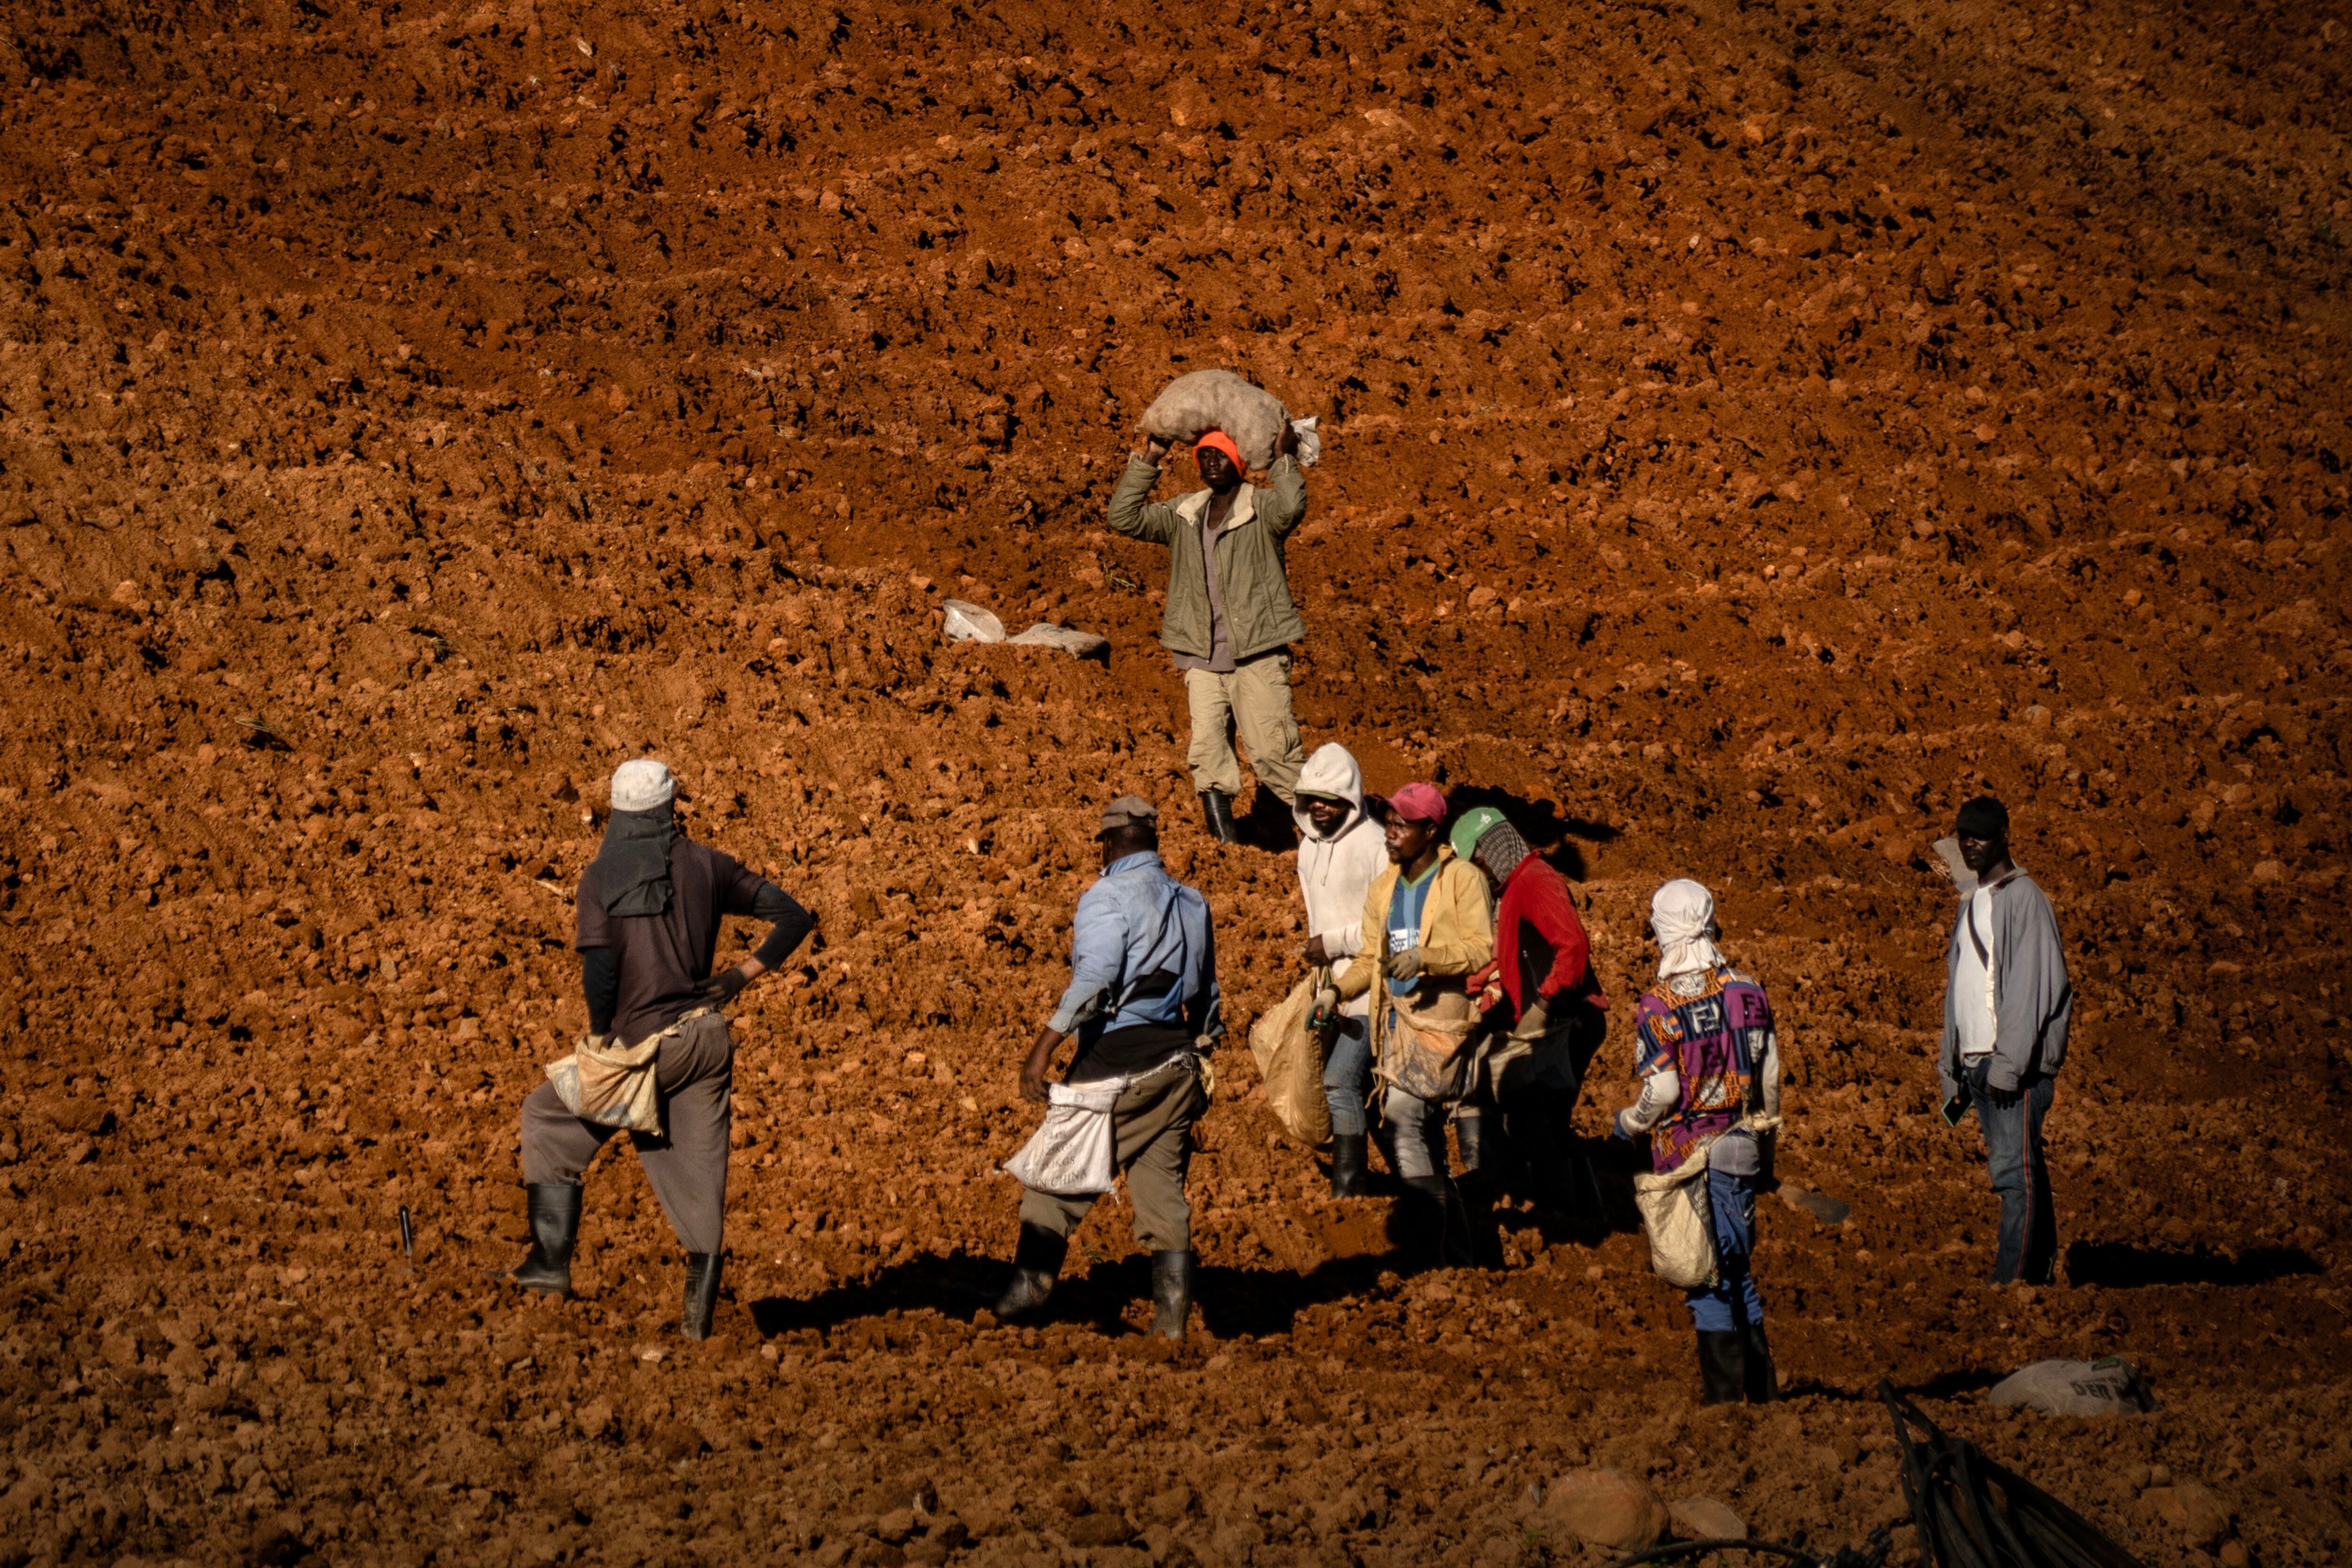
[1335,873]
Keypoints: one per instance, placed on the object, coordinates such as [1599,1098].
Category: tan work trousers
[1151,1131]
[1254,697]
[687,1169]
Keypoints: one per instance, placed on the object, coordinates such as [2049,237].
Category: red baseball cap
[1417,803]
[1221,442]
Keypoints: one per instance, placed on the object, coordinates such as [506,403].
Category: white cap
[642,784]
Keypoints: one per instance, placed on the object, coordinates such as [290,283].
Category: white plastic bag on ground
[1071,1154]
[1208,400]
[1080,645]
[2110,1386]
[969,623]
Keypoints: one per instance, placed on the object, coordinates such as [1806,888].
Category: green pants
[1151,1134]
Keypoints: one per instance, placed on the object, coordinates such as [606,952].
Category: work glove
[1406,965]
[1535,1020]
[720,988]
[1325,1010]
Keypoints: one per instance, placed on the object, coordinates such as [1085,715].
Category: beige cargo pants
[1254,698]
[1151,1132]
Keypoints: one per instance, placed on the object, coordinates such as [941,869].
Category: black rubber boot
[1037,1263]
[1172,1293]
[1477,1144]
[1433,1228]
[1269,824]
[554,1227]
[1217,807]
[1350,1171]
[1763,1384]
[701,1294]
[1722,1363]
[1458,1245]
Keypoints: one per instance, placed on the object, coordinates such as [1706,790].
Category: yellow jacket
[1457,938]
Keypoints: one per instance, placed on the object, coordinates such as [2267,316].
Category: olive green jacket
[1251,584]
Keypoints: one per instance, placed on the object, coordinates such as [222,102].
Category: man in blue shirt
[1142,1002]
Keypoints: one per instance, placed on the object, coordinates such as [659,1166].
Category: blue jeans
[1733,1298]
[1347,1072]
[2029,1222]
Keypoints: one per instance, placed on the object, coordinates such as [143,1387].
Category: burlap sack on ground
[1290,1058]
[1219,400]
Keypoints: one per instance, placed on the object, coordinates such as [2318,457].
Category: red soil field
[1752,428]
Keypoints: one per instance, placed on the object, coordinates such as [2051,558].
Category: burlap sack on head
[1208,400]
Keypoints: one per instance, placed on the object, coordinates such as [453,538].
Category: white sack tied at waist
[1679,1217]
[1071,1154]
[614,1085]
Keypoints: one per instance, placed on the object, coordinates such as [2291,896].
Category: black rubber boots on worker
[701,1294]
[1217,808]
[1351,1173]
[1037,1263]
[1735,1364]
[1722,1367]
[554,1227]
[1763,1383]
[1172,1293]
[1433,1226]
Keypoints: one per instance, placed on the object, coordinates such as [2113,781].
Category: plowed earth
[1753,428]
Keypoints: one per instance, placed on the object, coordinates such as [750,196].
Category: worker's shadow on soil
[959,1286]
[1559,839]
[2123,1267]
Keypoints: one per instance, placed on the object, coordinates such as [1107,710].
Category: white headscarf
[1681,913]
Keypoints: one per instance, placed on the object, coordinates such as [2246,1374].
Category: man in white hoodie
[1341,849]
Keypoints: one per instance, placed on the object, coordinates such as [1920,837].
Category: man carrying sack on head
[1710,1061]
[1143,1001]
[1540,990]
[1230,621]
[1426,931]
[657,1059]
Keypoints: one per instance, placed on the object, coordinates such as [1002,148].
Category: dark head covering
[1983,817]
[1500,850]
[632,869]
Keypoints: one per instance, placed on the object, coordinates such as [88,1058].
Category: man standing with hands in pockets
[2007,1004]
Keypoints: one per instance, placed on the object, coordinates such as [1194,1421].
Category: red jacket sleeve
[1551,912]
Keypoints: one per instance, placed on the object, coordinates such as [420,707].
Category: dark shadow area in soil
[1551,834]
[2123,1267]
[1949,1384]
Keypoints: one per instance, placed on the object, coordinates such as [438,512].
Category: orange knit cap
[1223,443]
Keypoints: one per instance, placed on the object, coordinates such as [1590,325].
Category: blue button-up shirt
[1141,952]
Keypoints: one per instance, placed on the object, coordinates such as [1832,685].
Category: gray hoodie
[2032,1001]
